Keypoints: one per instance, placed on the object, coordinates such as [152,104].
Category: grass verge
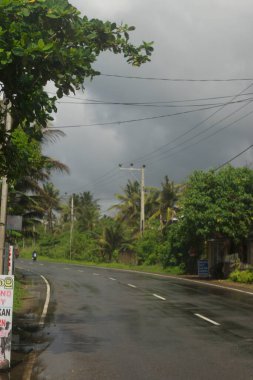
[174,270]
[19,293]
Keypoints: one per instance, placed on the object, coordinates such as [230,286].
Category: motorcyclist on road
[34,255]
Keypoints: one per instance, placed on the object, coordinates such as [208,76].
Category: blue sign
[203,268]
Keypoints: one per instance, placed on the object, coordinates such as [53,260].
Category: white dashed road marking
[132,286]
[207,319]
[161,298]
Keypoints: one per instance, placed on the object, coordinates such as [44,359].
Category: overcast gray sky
[193,39]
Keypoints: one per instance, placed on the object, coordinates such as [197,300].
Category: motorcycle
[34,256]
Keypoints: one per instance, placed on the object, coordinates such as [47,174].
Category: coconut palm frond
[56,165]
[51,135]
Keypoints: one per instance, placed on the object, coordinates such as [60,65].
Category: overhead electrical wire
[196,125]
[101,101]
[177,79]
[150,162]
[105,177]
[200,133]
[105,180]
[217,168]
[169,153]
[234,157]
[155,105]
[109,174]
[119,122]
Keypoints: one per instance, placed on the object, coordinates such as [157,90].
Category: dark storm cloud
[193,39]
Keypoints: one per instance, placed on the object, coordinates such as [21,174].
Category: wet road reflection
[103,329]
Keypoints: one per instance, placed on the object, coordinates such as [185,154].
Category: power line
[203,131]
[168,154]
[154,105]
[119,122]
[97,181]
[197,125]
[177,79]
[101,101]
[233,158]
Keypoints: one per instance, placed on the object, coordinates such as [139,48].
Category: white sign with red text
[6,310]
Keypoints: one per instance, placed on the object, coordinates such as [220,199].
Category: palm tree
[168,198]
[152,201]
[50,201]
[28,197]
[129,206]
[113,238]
[86,211]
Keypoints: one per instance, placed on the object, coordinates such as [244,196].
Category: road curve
[108,324]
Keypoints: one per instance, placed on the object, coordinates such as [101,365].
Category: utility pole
[142,221]
[71,226]
[142,215]
[4,197]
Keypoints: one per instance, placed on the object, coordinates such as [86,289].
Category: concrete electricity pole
[4,197]
[142,215]
[71,226]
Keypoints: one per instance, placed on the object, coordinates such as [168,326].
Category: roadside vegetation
[180,220]
[244,276]
[19,293]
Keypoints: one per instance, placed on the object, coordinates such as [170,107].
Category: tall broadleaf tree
[45,41]
[217,204]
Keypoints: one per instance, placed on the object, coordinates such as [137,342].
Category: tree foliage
[49,40]
[86,210]
[129,206]
[114,239]
[218,204]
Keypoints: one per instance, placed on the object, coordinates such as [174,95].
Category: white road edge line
[45,308]
[207,319]
[131,285]
[111,278]
[180,279]
[161,298]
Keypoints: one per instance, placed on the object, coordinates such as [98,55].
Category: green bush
[150,248]
[244,276]
[85,247]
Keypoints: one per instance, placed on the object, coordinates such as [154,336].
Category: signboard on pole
[6,310]
[14,222]
[203,268]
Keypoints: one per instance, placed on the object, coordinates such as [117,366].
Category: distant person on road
[34,255]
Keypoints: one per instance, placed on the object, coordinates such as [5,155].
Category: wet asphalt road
[106,324]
